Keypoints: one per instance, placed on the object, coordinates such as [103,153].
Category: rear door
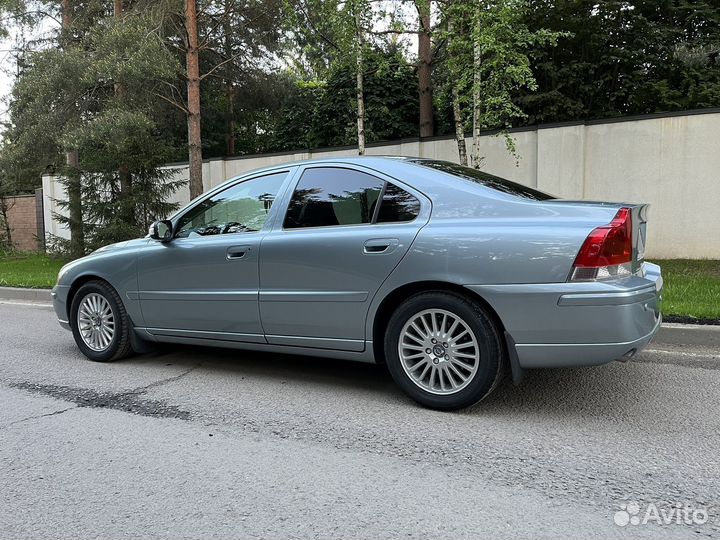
[345,229]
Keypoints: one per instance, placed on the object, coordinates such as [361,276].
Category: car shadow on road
[285,368]
[595,391]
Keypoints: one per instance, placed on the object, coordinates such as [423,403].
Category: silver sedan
[450,276]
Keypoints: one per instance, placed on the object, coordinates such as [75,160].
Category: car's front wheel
[100,324]
[444,350]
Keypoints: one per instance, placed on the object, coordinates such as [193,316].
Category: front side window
[329,196]
[243,207]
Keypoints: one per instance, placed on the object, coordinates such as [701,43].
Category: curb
[28,295]
[688,335]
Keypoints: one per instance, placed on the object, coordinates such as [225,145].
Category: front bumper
[578,324]
[59,295]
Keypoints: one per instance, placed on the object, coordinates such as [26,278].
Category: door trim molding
[313,296]
[227,295]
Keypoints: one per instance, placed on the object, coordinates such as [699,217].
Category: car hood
[73,267]
[120,245]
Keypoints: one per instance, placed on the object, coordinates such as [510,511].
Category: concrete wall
[22,216]
[671,162]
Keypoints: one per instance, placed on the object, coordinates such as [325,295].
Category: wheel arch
[394,298]
[79,282]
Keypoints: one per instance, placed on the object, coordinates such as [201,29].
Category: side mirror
[161,230]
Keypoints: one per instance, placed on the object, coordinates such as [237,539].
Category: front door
[204,283]
[344,231]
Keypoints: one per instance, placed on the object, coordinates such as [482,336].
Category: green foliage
[623,57]
[315,32]
[257,99]
[242,91]
[46,101]
[103,208]
[488,43]
[128,52]
[117,137]
[9,9]
[299,124]
[322,113]
[96,97]
[502,40]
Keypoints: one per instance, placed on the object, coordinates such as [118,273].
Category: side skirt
[360,356]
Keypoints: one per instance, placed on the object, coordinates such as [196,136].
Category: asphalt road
[205,443]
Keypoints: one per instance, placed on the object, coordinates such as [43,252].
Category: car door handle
[237,252]
[380,246]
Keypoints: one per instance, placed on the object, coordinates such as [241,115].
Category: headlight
[62,272]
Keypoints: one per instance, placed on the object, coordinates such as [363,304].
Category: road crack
[162,382]
[37,416]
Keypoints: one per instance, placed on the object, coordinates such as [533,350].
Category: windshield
[487,180]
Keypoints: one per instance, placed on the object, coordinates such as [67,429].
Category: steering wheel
[227,226]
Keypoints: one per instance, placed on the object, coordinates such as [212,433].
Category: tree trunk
[77,235]
[457,109]
[75,217]
[66,15]
[127,213]
[359,81]
[193,104]
[424,71]
[229,88]
[477,107]
[459,125]
[4,209]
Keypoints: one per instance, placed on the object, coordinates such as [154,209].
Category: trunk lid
[639,213]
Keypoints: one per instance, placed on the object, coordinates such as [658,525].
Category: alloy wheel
[96,322]
[439,351]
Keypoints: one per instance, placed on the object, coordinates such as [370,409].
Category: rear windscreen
[487,180]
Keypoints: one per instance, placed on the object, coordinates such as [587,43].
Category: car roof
[393,166]
[408,170]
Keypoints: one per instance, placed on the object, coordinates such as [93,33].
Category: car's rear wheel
[100,324]
[444,350]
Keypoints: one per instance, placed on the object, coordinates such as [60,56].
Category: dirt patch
[129,401]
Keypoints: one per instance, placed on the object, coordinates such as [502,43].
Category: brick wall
[23,218]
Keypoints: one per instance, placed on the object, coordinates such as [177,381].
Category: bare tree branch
[217,66]
[170,101]
[224,17]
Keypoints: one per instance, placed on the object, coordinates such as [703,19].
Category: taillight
[607,251]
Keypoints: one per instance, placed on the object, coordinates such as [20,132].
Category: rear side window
[331,196]
[487,180]
[397,205]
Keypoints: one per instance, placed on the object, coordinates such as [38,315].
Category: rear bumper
[543,355]
[578,324]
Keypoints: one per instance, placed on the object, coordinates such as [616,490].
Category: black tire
[119,346]
[490,348]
